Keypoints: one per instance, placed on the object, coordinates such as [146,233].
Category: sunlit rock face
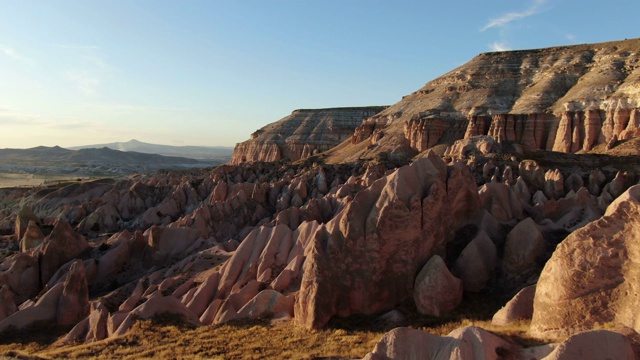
[302,134]
[563,99]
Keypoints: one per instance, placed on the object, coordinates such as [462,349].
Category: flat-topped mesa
[564,99]
[303,133]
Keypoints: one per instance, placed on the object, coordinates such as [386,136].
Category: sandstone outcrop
[565,99]
[436,291]
[366,257]
[475,343]
[518,308]
[303,133]
[475,264]
[524,246]
[588,280]
[465,343]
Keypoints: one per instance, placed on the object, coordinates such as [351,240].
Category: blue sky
[196,72]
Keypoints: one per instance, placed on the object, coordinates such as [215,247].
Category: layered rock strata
[303,133]
[564,99]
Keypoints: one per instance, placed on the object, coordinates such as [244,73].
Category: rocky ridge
[302,134]
[564,99]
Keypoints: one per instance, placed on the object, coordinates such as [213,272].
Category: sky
[198,72]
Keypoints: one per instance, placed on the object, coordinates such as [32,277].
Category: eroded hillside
[302,134]
[563,99]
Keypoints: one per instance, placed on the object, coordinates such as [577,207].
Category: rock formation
[565,99]
[313,241]
[303,133]
[589,280]
[367,255]
[461,344]
[475,343]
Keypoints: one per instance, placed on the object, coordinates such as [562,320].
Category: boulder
[590,278]
[501,202]
[21,273]
[168,242]
[156,305]
[436,291]
[475,264]
[593,345]
[7,302]
[523,247]
[520,307]
[268,303]
[44,310]
[24,216]
[573,183]
[461,344]
[32,237]
[73,305]
[61,246]
[97,327]
[554,184]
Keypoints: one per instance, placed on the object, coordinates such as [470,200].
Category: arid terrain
[492,214]
[46,165]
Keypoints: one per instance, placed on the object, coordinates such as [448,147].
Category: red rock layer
[424,133]
[570,131]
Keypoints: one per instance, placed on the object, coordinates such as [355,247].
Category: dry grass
[166,339]
[353,337]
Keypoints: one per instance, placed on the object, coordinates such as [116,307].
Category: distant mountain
[220,153]
[92,162]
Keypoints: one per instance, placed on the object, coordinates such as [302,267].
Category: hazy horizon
[210,73]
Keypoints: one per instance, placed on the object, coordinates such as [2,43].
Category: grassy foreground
[167,338]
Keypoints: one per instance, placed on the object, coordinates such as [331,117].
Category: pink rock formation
[571,212]
[500,201]
[436,291]
[526,129]
[62,245]
[588,279]
[475,264]
[73,304]
[424,133]
[25,215]
[302,134]
[155,305]
[268,303]
[7,302]
[32,237]
[520,307]
[395,225]
[45,309]
[593,345]
[21,273]
[465,343]
[532,174]
[523,247]
[554,184]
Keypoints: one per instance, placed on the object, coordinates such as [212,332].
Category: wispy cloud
[14,54]
[512,16]
[499,46]
[570,37]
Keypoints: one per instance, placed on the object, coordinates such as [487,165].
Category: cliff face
[563,99]
[302,134]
